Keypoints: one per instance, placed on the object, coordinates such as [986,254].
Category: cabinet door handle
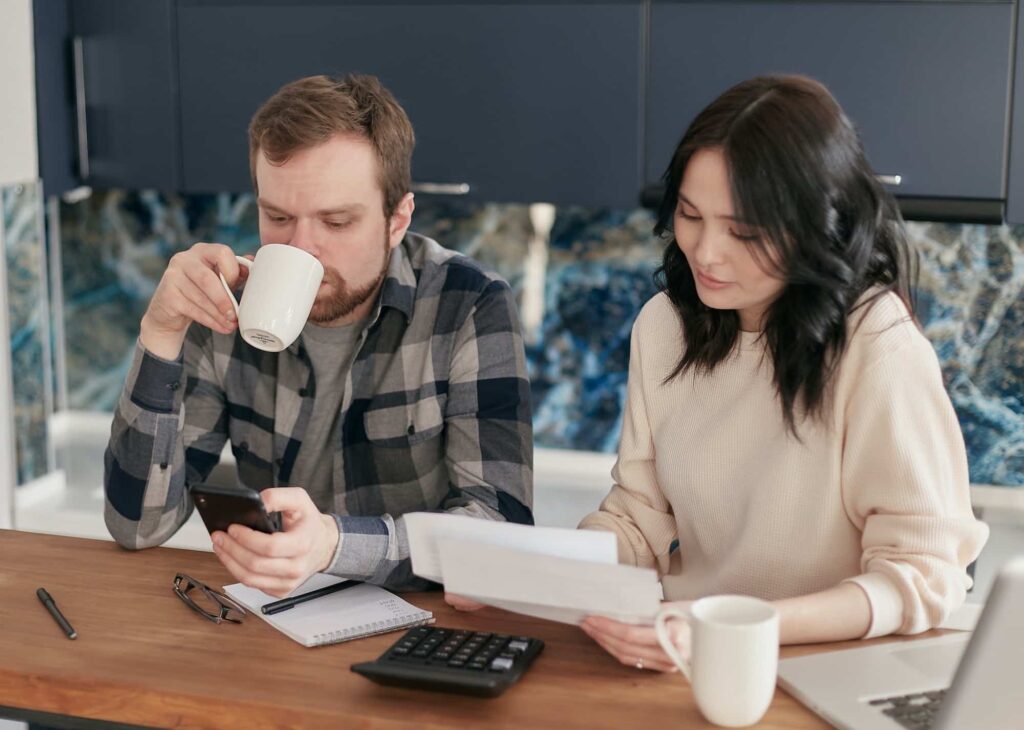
[893,180]
[78,58]
[441,188]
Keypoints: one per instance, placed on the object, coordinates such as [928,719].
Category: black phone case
[223,506]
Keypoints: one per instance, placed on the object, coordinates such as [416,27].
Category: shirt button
[303,392]
[411,430]
[279,462]
[173,386]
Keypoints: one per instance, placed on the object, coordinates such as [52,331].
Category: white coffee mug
[279,293]
[734,655]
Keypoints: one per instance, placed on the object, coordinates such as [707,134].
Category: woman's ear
[400,220]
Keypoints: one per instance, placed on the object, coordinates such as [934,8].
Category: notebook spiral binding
[370,629]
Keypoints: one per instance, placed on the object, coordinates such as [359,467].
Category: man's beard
[343,301]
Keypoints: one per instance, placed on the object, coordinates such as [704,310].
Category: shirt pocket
[404,425]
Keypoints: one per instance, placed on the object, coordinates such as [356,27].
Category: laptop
[952,681]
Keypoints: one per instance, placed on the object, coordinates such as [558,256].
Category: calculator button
[456,662]
[477,665]
[399,651]
[517,645]
[501,664]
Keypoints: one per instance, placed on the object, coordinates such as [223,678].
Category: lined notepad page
[353,613]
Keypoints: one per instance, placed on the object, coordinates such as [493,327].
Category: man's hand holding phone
[280,562]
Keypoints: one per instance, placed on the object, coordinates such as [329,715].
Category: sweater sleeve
[636,509]
[906,488]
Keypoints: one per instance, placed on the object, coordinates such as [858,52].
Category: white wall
[19,161]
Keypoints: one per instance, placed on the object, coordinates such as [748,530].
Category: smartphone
[223,506]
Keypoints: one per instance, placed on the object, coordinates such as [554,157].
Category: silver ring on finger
[639,662]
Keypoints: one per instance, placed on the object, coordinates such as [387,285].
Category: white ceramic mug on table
[734,655]
[279,294]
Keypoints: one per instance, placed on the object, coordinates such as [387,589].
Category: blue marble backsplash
[587,291]
[21,236]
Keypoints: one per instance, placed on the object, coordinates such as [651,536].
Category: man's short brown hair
[309,111]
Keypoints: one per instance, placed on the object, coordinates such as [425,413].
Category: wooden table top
[143,658]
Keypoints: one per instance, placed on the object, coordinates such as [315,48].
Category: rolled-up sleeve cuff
[362,546]
[157,382]
[886,603]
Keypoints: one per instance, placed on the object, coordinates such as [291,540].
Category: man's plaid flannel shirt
[435,417]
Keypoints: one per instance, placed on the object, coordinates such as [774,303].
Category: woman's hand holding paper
[637,646]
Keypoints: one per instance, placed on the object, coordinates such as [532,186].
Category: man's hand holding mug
[281,285]
[190,291]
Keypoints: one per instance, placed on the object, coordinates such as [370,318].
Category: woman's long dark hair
[798,175]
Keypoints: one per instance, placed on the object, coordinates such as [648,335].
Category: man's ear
[400,220]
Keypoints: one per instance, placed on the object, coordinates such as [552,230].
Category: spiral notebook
[353,613]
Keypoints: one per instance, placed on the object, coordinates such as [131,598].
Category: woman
[786,425]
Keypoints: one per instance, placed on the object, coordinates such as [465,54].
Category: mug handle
[231,296]
[685,664]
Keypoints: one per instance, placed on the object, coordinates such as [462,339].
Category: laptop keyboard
[915,711]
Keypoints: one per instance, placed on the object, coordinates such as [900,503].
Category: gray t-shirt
[331,351]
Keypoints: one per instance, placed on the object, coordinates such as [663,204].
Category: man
[406,391]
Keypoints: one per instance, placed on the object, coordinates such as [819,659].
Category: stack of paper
[557,574]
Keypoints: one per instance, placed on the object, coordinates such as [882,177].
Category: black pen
[55,612]
[285,603]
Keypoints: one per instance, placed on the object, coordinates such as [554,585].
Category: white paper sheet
[555,588]
[426,529]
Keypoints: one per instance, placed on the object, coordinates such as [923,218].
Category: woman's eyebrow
[684,199]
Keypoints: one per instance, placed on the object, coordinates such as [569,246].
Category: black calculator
[453,660]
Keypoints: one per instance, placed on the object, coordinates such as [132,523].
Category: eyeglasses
[208,603]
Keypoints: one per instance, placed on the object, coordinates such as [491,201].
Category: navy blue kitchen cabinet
[122,54]
[1015,173]
[926,84]
[106,94]
[55,95]
[554,100]
[510,101]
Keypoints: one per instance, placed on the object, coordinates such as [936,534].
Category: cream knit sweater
[878,495]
